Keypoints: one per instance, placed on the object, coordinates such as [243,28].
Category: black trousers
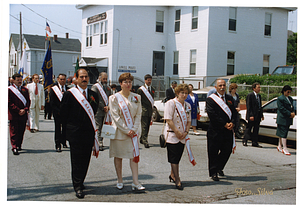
[60,133]
[145,123]
[219,149]
[48,110]
[253,136]
[80,159]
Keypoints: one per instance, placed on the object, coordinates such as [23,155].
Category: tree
[291,58]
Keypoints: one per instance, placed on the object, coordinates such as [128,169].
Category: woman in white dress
[126,135]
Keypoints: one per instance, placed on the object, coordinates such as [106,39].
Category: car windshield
[283,70]
[202,96]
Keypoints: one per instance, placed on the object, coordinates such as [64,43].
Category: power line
[50,20]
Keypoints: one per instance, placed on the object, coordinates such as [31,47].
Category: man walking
[36,94]
[79,104]
[254,115]
[220,139]
[103,92]
[56,94]
[170,92]
[147,93]
[18,106]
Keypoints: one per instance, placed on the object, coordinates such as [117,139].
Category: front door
[158,67]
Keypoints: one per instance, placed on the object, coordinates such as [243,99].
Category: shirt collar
[60,86]
[255,93]
[81,90]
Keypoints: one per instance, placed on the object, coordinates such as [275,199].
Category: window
[160,21]
[41,56]
[266,64]
[230,63]
[89,33]
[96,29]
[103,33]
[232,19]
[193,62]
[175,63]
[268,21]
[195,17]
[177,20]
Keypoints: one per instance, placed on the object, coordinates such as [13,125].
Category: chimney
[67,35]
[55,37]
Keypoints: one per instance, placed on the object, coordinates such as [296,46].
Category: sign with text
[96,18]
[127,69]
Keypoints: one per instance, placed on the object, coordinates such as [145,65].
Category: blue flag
[47,68]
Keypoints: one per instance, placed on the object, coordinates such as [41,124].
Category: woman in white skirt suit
[122,146]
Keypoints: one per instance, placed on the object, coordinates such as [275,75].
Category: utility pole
[21,35]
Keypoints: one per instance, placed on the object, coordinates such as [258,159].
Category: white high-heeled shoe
[120,186]
[137,187]
[286,152]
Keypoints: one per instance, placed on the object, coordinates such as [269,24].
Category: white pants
[34,117]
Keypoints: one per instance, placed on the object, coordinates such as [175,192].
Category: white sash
[129,123]
[148,95]
[88,109]
[227,110]
[105,98]
[57,92]
[183,117]
[18,94]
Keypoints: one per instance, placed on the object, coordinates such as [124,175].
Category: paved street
[252,175]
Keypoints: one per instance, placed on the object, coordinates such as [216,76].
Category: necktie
[84,93]
[62,89]
[149,89]
[36,89]
[257,98]
[223,98]
[19,88]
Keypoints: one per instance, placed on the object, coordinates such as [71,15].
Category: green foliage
[291,58]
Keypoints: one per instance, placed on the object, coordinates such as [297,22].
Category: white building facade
[184,41]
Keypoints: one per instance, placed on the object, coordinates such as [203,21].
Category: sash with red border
[105,98]
[57,92]
[129,123]
[227,110]
[183,116]
[88,109]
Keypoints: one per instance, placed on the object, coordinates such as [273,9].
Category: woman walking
[285,115]
[125,145]
[192,99]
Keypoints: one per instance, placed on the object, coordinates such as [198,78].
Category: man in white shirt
[37,97]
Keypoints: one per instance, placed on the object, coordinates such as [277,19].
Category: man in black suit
[56,94]
[170,93]
[222,115]
[254,115]
[80,127]
[147,95]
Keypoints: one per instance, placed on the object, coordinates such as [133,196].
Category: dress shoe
[215,177]
[120,186]
[58,149]
[138,187]
[36,130]
[221,173]
[171,179]
[79,194]
[65,146]
[101,148]
[279,149]
[245,144]
[32,131]
[286,152]
[19,148]
[15,152]
[146,145]
[179,186]
[256,145]
[141,141]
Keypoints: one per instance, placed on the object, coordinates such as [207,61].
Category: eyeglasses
[127,82]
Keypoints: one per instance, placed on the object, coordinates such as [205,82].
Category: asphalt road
[252,175]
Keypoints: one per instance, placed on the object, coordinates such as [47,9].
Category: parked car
[285,70]
[268,126]
[159,107]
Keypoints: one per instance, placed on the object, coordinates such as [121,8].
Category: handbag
[162,140]
[108,131]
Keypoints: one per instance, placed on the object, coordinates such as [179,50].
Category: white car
[159,107]
[268,125]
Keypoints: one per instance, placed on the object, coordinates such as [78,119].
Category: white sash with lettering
[148,95]
[129,123]
[57,92]
[88,109]
[183,116]
[227,110]
[105,98]
[18,94]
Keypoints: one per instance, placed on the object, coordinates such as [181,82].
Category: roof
[62,44]
[15,40]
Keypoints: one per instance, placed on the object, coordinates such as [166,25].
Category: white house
[196,42]
[65,52]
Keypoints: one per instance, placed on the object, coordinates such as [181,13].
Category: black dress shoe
[79,194]
[101,148]
[221,173]
[141,141]
[58,149]
[245,144]
[146,145]
[15,152]
[65,146]
[32,131]
[179,186]
[256,145]
[215,177]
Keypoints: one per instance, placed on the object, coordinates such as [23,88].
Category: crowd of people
[80,114]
